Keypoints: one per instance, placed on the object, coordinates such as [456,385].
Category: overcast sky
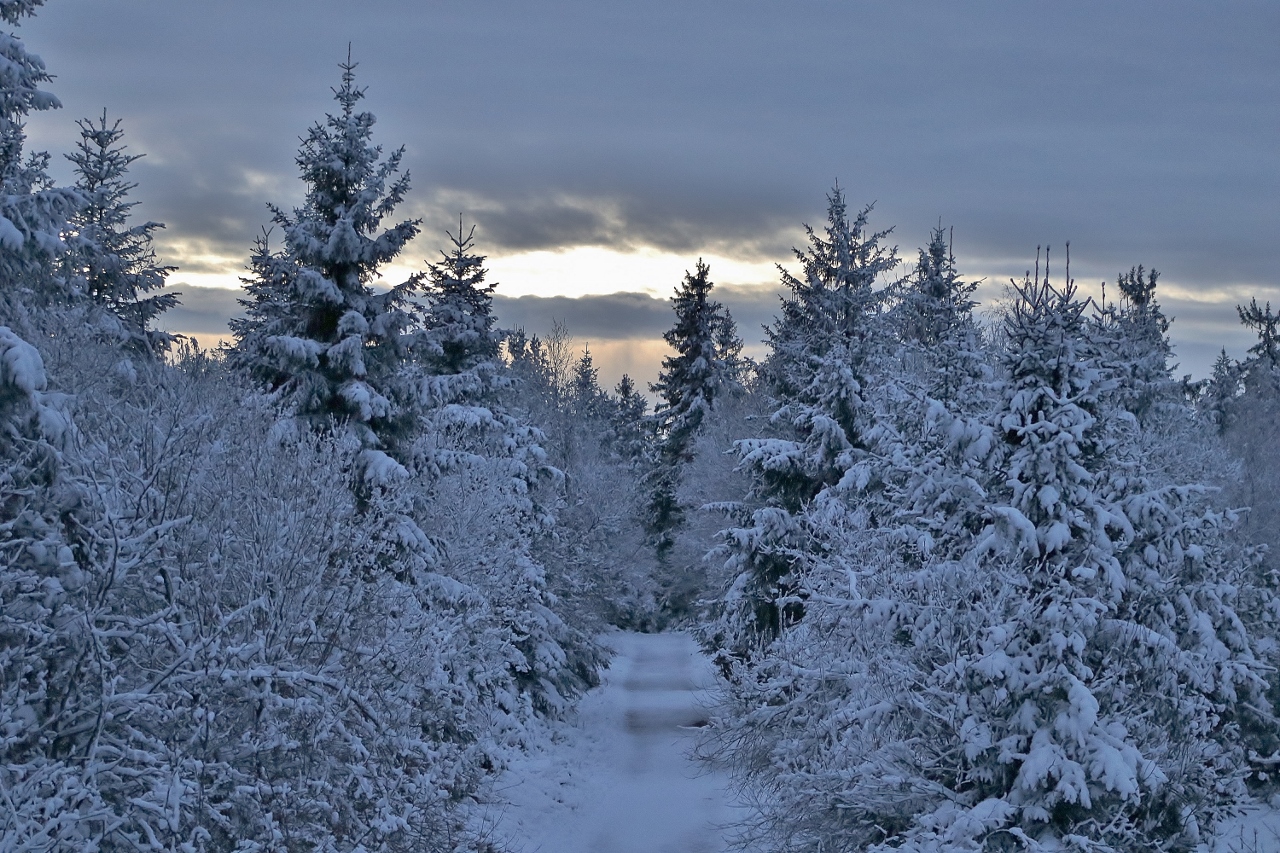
[603,146]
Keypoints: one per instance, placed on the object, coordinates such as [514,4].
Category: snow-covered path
[621,779]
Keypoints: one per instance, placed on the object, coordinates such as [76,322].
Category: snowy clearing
[620,779]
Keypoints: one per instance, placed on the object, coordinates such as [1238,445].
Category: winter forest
[972,577]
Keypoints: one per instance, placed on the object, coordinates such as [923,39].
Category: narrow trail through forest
[621,778]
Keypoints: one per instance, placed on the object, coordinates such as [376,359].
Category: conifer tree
[1267,326]
[1137,330]
[1253,424]
[32,211]
[688,385]
[931,454]
[109,261]
[691,379]
[822,347]
[628,419]
[735,367]
[316,332]
[1220,391]
[459,319]
[936,319]
[584,388]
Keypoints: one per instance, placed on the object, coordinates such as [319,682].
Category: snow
[10,237]
[1255,830]
[620,778]
[23,367]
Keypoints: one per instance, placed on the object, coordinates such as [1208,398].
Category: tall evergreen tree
[587,399]
[109,261]
[820,348]
[1138,334]
[691,379]
[688,385]
[32,211]
[316,332]
[630,430]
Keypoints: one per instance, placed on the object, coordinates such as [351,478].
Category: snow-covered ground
[620,778]
[1257,830]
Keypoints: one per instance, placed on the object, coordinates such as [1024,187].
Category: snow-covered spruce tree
[32,211]
[630,428]
[688,386]
[316,333]
[109,261]
[934,316]
[934,442]
[1109,692]
[1219,392]
[1181,444]
[1138,331]
[459,318]
[586,396]
[821,348]
[1076,681]
[1267,326]
[481,473]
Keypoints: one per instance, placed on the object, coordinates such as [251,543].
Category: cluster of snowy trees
[987,582]
[986,590]
[291,595]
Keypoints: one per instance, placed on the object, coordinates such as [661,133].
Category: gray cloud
[203,310]
[1143,134]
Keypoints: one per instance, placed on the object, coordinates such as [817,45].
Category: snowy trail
[621,780]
